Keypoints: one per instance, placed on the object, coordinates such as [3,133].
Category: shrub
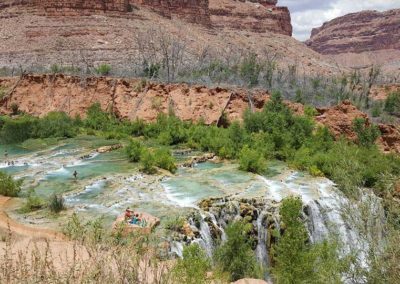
[235,256]
[134,150]
[148,162]
[17,130]
[33,203]
[14,108]
[366,134]
[193,267]
[392,103]
[56,203]
[250,70]
[97,119]
[164,160]
[297,260]
[103,69]
[55,124]
[251,161]
[9,186]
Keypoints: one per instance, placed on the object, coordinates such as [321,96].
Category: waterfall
[261,250]
[207,241]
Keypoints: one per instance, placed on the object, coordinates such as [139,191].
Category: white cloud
[308,14]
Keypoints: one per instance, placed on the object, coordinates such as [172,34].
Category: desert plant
[56,203]
[103,69]
[9,186]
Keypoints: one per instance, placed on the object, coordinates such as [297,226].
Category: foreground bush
[9,186]
[235,256]
[193,267]
[299,261]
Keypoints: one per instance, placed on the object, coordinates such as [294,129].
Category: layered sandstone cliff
[360,39]
[84,34]
[256,15]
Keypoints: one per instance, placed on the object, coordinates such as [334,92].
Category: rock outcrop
[339,120]
[132,99]
[256,15]
[361,39]
[358,32]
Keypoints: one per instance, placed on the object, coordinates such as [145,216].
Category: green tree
[134,150]
[298,261]
[97,119]
[193,267]
[9,186]
[250,70]
[392,103]
[148,162]
[164,160]
[55,124]
[235,256]
[251,161]
[366,134]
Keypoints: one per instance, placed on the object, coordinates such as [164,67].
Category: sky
[308,14]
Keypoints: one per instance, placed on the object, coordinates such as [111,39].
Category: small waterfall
[261,250]
[316,223]
[207,240]
[177,248]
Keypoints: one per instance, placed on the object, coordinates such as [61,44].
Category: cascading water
[261,250]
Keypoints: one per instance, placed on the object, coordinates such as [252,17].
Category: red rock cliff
[358,32]
[256,16]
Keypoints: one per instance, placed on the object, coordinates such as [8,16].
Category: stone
[106,149]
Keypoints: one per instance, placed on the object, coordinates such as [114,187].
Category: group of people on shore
[134,218]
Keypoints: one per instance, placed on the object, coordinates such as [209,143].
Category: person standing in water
[75,174]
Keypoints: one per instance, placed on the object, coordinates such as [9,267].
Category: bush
[193,267]
[134,150]
[17,130]
[297,260]
[392,103]
[56,203]
[33,203]
[14,108]
[164,160]
[103,69]
[55,124]
[251,161]
[148,162]
[97,119]
[9,186]
[366,134]
[236,256]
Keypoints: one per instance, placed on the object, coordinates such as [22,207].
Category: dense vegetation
[274,133]
[8,186]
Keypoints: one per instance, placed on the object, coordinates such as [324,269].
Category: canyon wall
[256,16]
[361,39]
[133,99]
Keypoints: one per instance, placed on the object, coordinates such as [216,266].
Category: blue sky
[308,14]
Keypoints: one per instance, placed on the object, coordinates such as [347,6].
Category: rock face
[360,39]
[257,16]
[358,32]
[81,35]
[132,99]
[339,119]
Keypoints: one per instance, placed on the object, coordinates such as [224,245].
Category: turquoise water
[107,183]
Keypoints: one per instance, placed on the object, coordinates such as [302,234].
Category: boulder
[106,149]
